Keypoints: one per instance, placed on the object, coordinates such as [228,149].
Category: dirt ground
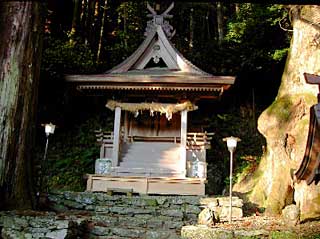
[306,229]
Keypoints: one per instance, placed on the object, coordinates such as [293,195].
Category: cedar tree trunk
[20,54]
[285,123]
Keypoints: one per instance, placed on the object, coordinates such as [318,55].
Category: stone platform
[119,216]
[98,215]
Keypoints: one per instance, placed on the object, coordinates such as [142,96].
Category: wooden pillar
[126,126]
[183,153]
[116,136]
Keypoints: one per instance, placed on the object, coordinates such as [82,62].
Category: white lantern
[231,143]
[49,128]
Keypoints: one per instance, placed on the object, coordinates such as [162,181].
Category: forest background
[247,40]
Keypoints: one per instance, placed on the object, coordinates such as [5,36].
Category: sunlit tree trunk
[124,16]
[102,30]
[220,25]
[20,53]
[75,18]
[237,7]
[83,18]
[191,29]
[285,122]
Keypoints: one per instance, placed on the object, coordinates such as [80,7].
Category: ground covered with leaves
[273,227]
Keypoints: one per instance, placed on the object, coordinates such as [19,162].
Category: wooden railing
[172,139]
[194,140]
[199,140]
[105,137]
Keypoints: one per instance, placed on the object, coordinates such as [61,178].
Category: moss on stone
[283,235]
[283,107]
[151,202]
[280,108]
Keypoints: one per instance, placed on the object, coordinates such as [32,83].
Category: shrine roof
[153,80]
[134,73]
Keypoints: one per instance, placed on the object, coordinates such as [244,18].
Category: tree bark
[220,25]
[102,30]
[191,29]
[75,18]
[21,28]
[285,123]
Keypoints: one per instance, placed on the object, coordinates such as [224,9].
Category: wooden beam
[116,140]
[313,79]
[183,143]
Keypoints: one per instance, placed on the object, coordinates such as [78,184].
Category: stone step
[166,164]
[149,158]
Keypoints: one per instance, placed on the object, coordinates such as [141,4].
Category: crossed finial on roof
[159,19]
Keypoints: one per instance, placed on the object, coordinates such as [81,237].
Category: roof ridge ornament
[159,20]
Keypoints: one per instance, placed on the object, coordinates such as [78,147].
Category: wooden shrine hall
[150,150]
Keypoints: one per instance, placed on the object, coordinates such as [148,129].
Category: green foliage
[239,122]
[128,31]
[280,54]
[72,154]
[255,31]
[63,56]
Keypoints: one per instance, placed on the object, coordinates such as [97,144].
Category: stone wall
[30,224]
[98,215]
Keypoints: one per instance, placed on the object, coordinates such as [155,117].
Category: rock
[100,231]
[206,217]
[173,224]
[172,213]
[192,209]
[161,234]
[225,212]
[221,201]
[102,209]
[220,207]
[128,233]
[308,199]
[204,232]
[57,234]
[291,215]
[161,200]
[132,222]
[135,201]
[72,204]
[105,220]
[155,222]
[62,224]
[176,200]
[85,198]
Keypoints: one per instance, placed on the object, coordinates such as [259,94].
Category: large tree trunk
[285,123]
[20,53]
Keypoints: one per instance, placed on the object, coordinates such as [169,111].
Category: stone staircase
[153,159]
